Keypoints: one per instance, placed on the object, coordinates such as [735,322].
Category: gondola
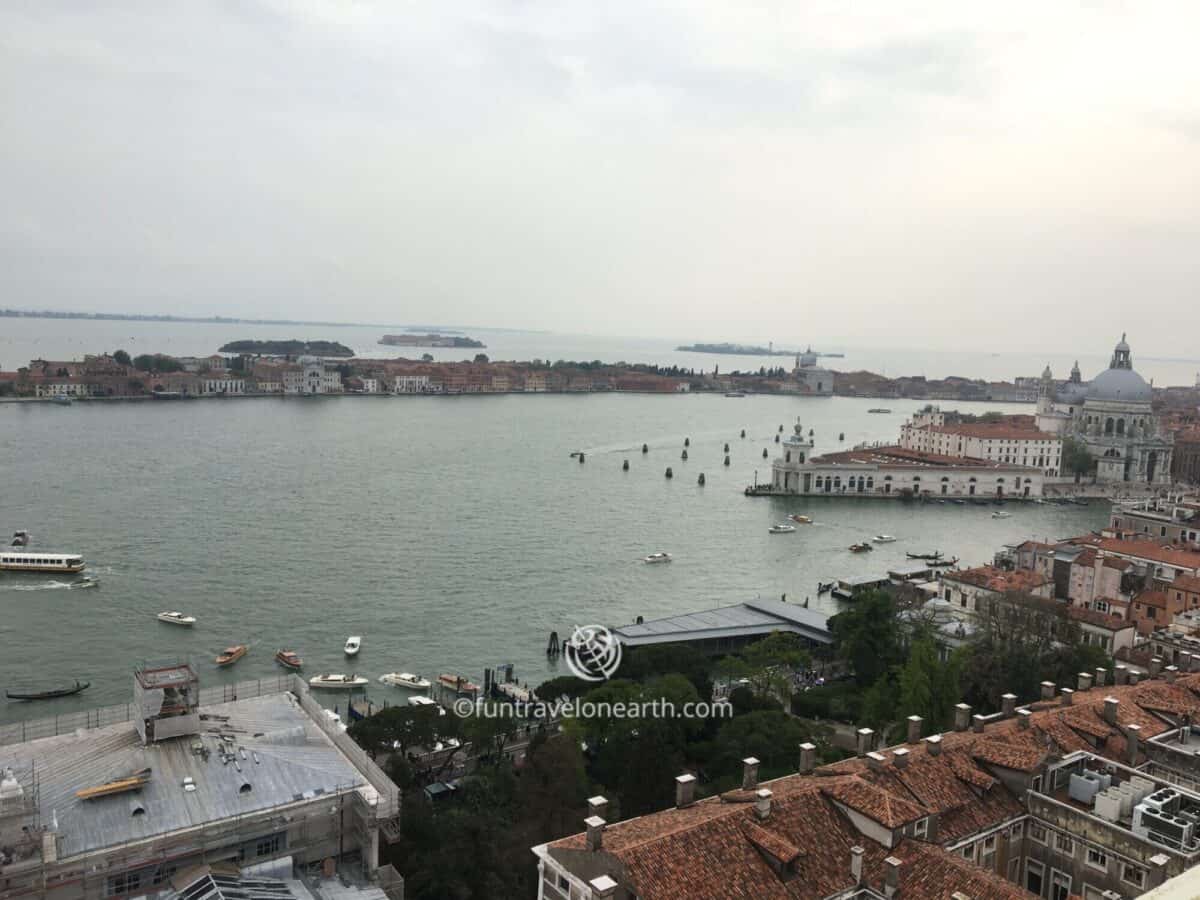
[50,695]
[930,557]
[943,563]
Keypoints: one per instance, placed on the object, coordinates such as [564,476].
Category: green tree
[867,636]
[1076,458]
[771,736]
[427,357]
[929,688]
[489,735]
[122,358]
[481,358]
[768,664]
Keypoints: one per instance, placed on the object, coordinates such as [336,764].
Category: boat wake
[44,586]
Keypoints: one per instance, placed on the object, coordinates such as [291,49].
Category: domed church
[1110,414]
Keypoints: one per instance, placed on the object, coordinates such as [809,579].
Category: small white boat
[884,538]
[353,645]
[406,680]
[422,702]
[661,557]
[338,682]
[782,528]
[1001,514]
[176,618]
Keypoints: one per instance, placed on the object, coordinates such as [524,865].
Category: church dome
[1124,385]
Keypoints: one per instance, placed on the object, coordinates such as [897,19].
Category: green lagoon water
[453,533]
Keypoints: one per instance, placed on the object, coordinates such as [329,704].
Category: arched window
[1108,426]
[1120,426]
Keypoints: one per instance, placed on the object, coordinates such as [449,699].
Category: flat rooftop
[759,617]
[279,752]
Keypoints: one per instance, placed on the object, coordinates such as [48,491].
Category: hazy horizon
[943,176]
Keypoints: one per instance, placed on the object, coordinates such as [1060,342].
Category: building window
[267,846]
[1034,874]
[1037,832]
[1017,831]
[1131,874]
[1097,859]
[921,829]
[125,883]
[1063,844]
[968,852]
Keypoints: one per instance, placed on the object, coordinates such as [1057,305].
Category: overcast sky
[1000,175]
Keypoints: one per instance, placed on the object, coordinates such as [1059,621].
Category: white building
[812,378]
[1112,416]
[1015,440]
[370,385]
[311,375]
[64,389]
[222,385]
[411,384]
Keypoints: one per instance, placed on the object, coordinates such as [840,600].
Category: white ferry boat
[13,560]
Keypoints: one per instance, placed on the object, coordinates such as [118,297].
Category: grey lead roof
[756,617]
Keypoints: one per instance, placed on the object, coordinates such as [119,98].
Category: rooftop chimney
[603,887]
[749,773]
[1169,673]
[1047,690]
[1158,869]
[1185,661]
[977,722]
[1023,717]
[598,806]
[962,716]
[876,760]
[933,744]
[1155,666]
[1008,705]
[1133,737]
[1120,673]
[762,804]
[900,757]
[1111,705]
[1085,681]
[856,864]
[866,740]
[1101,677]
[915,723]
[808,757]
[685,790]
[891,885]
[1134,677]
[1067,695]
[595,828]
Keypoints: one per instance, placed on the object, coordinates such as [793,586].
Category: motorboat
[878,410]
[353,645]
[420,701]
[1001,514]
[661,557]
[800,520]
[289,659]
[176,618]
[943,563]
[405,680]
[861,547]
[338,682]
[20,539]
[884,538]
[61,400]
[230,655]
[458,684]
[735,393]
[79,687]
[87,581]
[824,587]
[782,528]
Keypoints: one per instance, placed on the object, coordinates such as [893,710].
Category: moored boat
[884,538]
[176,618]
[406,680]
[13,560]
[824,587]
[337,681]
[230,655]
[781,528]
[943,563]
[1001,514]
[289,659]
[458,683]
[661,556]
[48,695]
[353,645]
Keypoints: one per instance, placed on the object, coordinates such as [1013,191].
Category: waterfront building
[810,376]
[1175,518]
[181,779]
[729,628]
[1062,797]
[222,384]
[1111,633]
[311,375]
[1185,460]
[1112,416]
[411,384]
[974,591]
[1012,439]
[894,471]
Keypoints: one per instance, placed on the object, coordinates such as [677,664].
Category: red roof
[1097,618]
[1143,549]
[999,580]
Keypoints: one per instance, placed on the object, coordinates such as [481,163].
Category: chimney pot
[1023,717]
[892,881]
[900,757]
[1134,677]
[1155,666]
[762,804]
[685,790]
[1169,673]
[595,829]
[603,887]
[915,723]
[856,864]
[1101,677]
[808,757]
[1047,690]
[1008,704]
[866,740]
[962,716]
[876,760]
[1067,695]
[1085,681]
[933,744]
[1185,662]
[1120,673]
[598,806]
[977,722]
[1111,705]
[749,773]
[1133,738]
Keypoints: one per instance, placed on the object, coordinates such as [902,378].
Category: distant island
[288,348]
[429,340]
[737,350]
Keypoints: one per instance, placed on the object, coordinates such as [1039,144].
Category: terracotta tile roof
[770,842]
[1115,562]
[999,580]
[1023,756]
[929,872]
[899,456]
[879,805]
[1097,618]
[1188,583]
[1143,549]
[1152,598]
[1000,431]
